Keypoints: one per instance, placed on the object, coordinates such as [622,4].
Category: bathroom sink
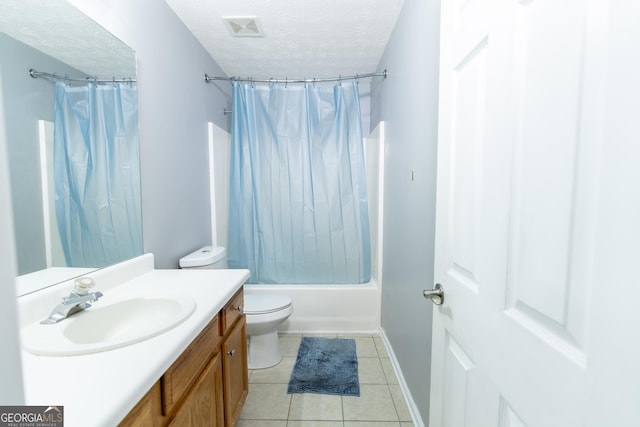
[108,325]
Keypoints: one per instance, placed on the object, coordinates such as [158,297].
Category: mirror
[50,37]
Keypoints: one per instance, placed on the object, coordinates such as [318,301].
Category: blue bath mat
[326,366]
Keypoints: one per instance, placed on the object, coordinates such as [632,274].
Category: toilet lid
[262,304]
[203,256]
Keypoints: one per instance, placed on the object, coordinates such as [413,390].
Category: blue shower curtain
[96,173]
[298,199]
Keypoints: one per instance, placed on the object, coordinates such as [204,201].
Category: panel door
[537,215]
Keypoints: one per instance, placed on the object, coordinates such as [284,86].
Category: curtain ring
[286,82]
[67,81]
[270,82]
[357,79]
[314,82]
[340,79]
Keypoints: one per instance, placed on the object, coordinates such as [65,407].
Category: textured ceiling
[58,29]
[302,38]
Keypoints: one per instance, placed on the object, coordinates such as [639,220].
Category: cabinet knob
[239,308]
[232,352]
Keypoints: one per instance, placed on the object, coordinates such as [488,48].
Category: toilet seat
[265,304]
[264,314]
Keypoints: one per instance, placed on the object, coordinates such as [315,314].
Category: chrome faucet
[77,300]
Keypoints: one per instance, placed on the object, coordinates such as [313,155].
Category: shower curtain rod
[382,74]
[54,77]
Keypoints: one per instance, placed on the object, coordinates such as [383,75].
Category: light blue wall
[12,390]
[27,100]
[408,101]
[175,105]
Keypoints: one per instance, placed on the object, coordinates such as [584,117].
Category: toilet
[264,312]
[208,257]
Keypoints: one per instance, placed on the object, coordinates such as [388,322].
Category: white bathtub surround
[328,308]
[100,389]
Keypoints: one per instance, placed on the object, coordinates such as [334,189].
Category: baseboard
[411,404]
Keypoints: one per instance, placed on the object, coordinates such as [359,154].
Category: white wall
[175,105]
[407,100]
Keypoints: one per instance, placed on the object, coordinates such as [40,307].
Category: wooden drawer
[232,311]
[183,373]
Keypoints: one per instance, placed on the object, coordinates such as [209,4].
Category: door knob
[436,295]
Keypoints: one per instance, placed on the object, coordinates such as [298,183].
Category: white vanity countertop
[100,389]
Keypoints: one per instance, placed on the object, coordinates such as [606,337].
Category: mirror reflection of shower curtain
[96,168]
[298,199]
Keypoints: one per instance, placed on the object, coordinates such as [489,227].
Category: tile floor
[381,403]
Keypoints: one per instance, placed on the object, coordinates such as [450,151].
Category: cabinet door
[204,404]
[236,374]
[147,412]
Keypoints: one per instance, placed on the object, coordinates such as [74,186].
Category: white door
[538,215]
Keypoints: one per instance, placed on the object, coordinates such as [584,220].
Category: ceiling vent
[243,26]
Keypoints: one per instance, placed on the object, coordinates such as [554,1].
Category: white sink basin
[108,325]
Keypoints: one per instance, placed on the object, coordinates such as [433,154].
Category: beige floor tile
[382,350]
[371,424]
[380,405]
[401,405]
[370,371]
[374,404]
[365,347]
[289,344]
[315,424]
[389,372]
[356,335]
[319,407]
[279,374]
[321,335]
[261,423]
[266,402]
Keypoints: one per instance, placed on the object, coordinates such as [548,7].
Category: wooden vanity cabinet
[208,384]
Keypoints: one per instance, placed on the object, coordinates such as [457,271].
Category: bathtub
[316,308]
[328,308]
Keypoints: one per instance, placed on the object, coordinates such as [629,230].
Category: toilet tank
[205,258]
